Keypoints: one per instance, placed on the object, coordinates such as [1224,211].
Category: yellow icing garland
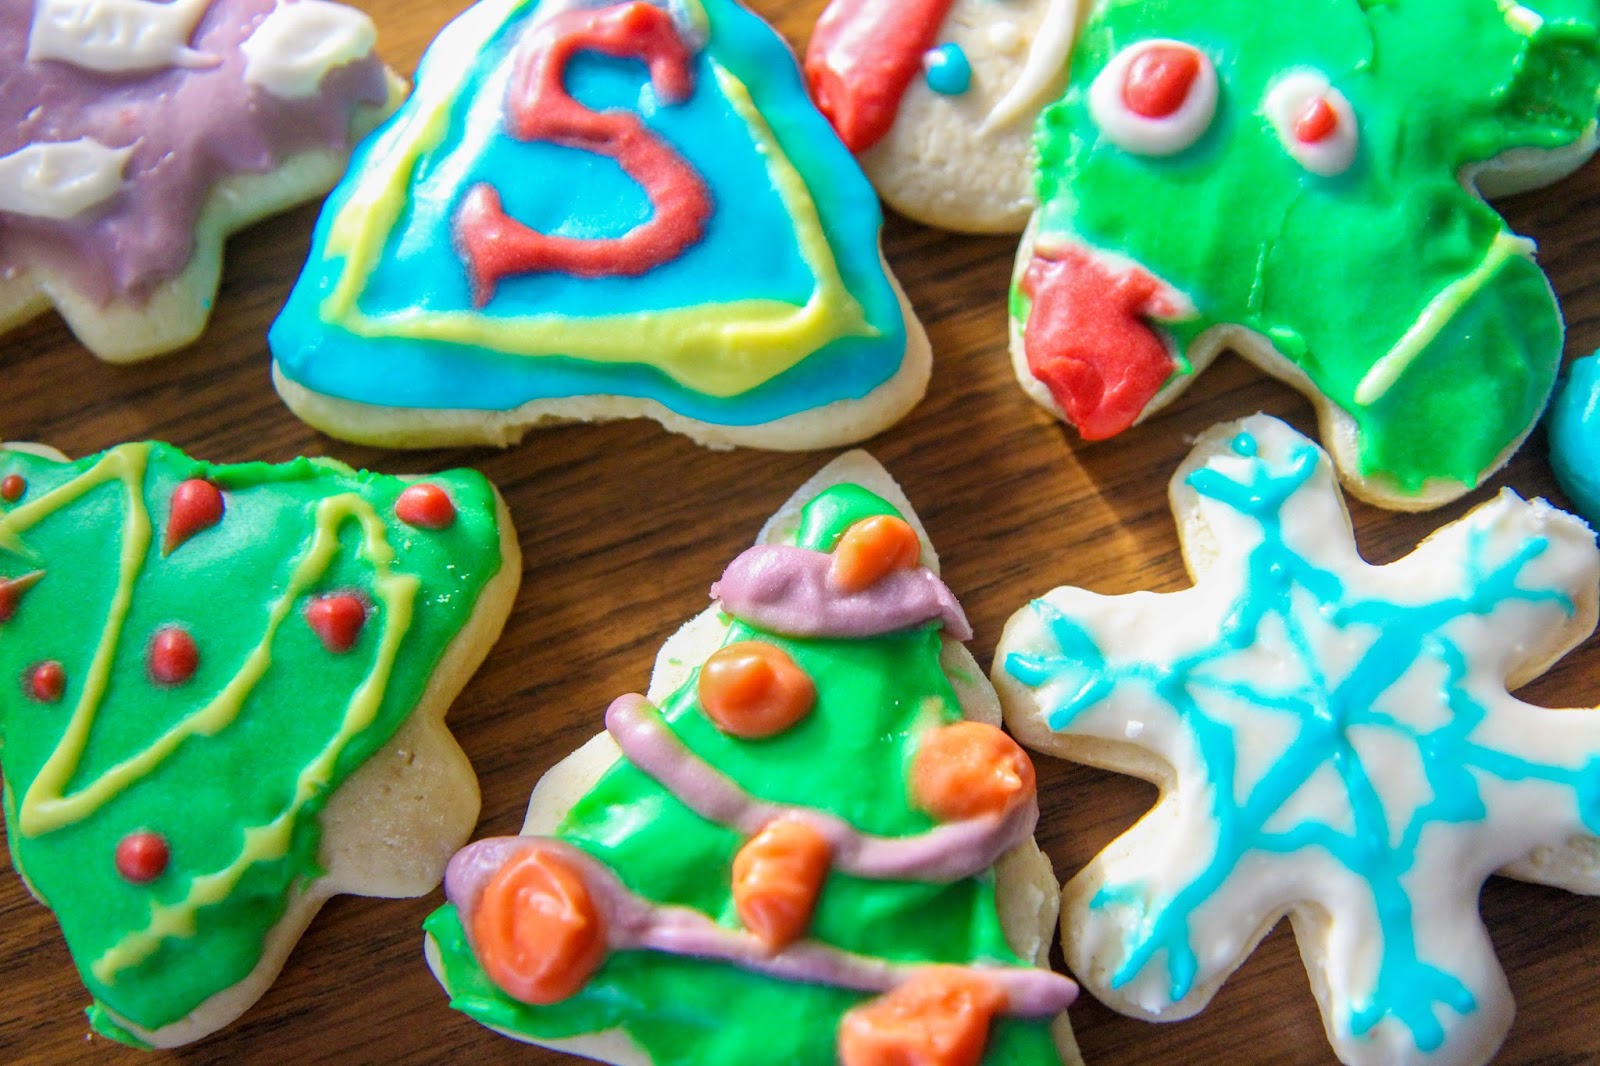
[45,807]
[720,350]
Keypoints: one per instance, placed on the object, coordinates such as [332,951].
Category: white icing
[1042,73]
[1536,569]
[1004,36]
[118,36]
[1134,132]
[60,180]
[1287,100]
[300,42]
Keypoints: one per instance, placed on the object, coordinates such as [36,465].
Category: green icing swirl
[205,795]
[1335,271]
[850,757]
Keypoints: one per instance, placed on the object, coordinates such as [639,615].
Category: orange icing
[871,549]
[777,877]
[968,769]
[537,930]
[938,1018]
[752,689]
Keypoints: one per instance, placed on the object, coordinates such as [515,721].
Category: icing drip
[61,180]
[117,36]
[291,52]
[787,590]
[635,923]
[948,852]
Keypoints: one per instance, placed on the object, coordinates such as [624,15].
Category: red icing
[861,60]
[1087,339]
[12,486]
[496,245]
[1159,79]
[11,590]
[425,506]
[46,682]
[173,656]
[142,857]
[196,505]
[337,620]
[1316,121]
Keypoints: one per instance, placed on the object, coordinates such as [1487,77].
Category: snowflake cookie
[1334,741]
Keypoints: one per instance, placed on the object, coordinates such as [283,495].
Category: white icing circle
[1134,132]
[1287,100]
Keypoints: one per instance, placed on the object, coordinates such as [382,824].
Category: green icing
[1336,270]
[850,757]
[207,793]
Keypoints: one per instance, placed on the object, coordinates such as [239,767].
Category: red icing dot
[142,857]
[337,620]
[425,506]
[196,505]
[46,682]
[1159,79]
[12,486]
[1316,121]
[173,656]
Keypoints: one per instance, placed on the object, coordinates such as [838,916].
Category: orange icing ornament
[871,549]
[537,930]
[752,689]
[777,877]
[968,769]
[938,1018]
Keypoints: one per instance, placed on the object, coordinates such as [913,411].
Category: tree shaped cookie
[224,704]
[811,843]
[135,135]
[602,211]
[1302,191]
[1333,741]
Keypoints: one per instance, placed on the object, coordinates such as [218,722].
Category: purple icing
[191,128]
[786,590]
[944,854]
[634,923]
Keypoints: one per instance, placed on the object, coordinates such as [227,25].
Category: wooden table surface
[623,527]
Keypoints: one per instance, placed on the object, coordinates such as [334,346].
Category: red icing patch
[11,590]
[425,506]
[142,857]
[46,682]
[1087,339]
[1159,79]
[496,246]
[173,656]
[1316,121]
[337,620]
[196,505]
[862,58]
[12,486]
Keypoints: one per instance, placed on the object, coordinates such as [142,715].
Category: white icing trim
[299,43]
[1284,103]
[1046,64]
[60,180]
[118,36]
[1152,136]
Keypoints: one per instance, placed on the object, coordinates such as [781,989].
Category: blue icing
[947,70]
[749,249]
[1290,592]
[1575,436]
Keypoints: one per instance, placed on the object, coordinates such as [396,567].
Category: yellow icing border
[717,349]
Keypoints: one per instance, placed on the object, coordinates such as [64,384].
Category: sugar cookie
[810,843]
[1333,742]
[224,703]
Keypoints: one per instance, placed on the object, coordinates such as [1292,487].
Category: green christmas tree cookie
[810,843]
[227,706]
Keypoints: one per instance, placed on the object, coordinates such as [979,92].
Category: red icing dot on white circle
[1314,121]
[1156,97]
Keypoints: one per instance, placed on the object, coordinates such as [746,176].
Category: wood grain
[623,528]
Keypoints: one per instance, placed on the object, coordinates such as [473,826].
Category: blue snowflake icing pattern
[1312,650]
